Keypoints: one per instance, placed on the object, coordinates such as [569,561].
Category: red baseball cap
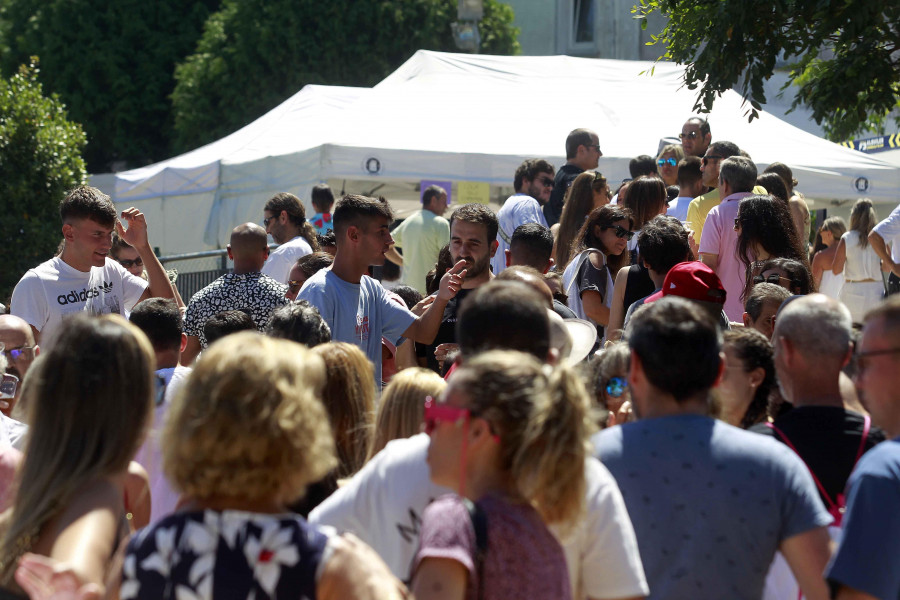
[692,280]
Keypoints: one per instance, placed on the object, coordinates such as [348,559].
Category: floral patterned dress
[229,554]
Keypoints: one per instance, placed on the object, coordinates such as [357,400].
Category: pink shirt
[523,559]
[719,237]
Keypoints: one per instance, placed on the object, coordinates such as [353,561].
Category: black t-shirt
[638,285]
[827,439]
[447,331]
[564,178]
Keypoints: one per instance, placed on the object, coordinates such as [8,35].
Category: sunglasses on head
[616,386]
[666,161]
[621,232]
[128,263]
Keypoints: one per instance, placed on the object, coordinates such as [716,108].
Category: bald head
[16,335]
[248,248]
[817,326]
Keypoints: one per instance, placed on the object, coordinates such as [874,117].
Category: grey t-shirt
[710,503]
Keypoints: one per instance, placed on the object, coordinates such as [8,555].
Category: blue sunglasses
[616,386]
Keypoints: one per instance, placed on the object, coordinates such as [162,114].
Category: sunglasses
[595,147]
[773,278]
[621,232]
[441,413]
[737,223]
[706,159]
[666,161]
[616,386]
[268,220]
[546,181]
[17,354]
[128,263]
[692,135]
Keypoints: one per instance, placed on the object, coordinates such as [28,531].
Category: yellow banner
[468,192]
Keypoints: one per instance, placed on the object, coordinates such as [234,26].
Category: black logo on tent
[373,166]
[861,184]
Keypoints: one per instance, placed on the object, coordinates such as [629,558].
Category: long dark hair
[603,217]
[578,205]
[646,199]
[766,221]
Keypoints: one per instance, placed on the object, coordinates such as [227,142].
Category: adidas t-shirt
[53,290]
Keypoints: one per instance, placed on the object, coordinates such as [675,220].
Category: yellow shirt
[700,206]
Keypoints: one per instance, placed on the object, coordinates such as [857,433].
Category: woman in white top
[863,286]
[827,282]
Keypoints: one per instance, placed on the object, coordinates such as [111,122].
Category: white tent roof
[463,117]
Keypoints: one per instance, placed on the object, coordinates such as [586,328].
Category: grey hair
[739,172]
[817,325]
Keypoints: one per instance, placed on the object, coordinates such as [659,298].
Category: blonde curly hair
[249,422]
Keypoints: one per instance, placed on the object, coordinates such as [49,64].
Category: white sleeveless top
[831,284]
[862,263]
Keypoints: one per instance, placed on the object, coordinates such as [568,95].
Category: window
[583,22]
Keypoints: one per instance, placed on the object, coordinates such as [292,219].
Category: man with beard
[473,239]
[533,183]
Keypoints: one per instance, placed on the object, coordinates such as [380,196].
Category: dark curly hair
[754,351]
[766,222]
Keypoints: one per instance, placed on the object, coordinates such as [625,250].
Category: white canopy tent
[460,117]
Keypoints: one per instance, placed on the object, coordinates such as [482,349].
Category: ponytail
[308,232]
[548,467]
[541,416]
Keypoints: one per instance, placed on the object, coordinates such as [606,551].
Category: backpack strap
[480,525]
[867,424]
[833,508]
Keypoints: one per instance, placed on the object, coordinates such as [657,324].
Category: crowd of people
[678,388]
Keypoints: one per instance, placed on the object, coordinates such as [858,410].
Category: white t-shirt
[889,230]
[517,210]
[678,207]
[283,258]
[12,432]
[359,313]
[164,496]
[383,505]
[53,290]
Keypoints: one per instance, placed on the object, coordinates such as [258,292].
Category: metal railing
[196,270]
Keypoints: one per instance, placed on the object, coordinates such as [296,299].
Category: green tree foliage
[40,158]
[112,62]
[846,53]
[254,54]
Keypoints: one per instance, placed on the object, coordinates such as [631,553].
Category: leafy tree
[40,158]
[112,62]
[846,54]
[254,54]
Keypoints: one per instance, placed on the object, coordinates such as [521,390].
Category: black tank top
[637,285]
